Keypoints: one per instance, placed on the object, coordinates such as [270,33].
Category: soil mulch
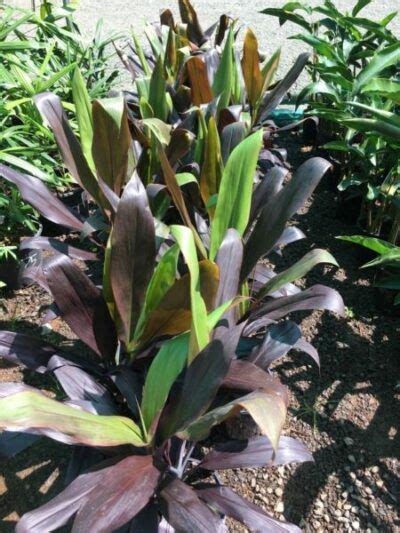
[347,413]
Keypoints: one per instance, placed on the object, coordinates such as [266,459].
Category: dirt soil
[348,413]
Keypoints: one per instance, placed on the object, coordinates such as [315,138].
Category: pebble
[326,518]
[375,469]
[253,482]
[348,441]
[351,458]
[318,503]
[355,525]
[318,511]
[279,492]
[379,483]
[279,507]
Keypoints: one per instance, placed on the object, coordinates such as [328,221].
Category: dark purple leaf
[266,190]
[35,192]
[53,245]
[256,452]
[262,274]
[104,499]
[316,297]
[79,385]
[246,376]
[289,235]
[81,305]
[279,339]
[232,135]
[128,382]
[225,501]
[25,350]
[185,511]
[208,368]
[147,521]
[133,253]
[274,98]
[273,218]
[229,260]
[303,346]
[52,111]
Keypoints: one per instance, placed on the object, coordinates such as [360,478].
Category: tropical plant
[39,52]
[355,89]
[388,261]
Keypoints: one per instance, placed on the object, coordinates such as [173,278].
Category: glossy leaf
[251,68]
[273,218]
[157,92]
[53,245]
[35,192]
[83,108]
[255,452]
[234,198]
[297,270]
[104,499]
[111,141]
[81,305]
[185,511]
[200,86]
[133,253]
[225,501]
[224,77]
[279,339]
[383,59]
[232,136]
[372,243]
[32,412]
[266,408]
[25,350]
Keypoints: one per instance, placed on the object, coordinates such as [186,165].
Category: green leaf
[166,367]
[111,141]
[385,58]
[234,198]
[359,6]
[297,271]
[161,281]
[224,77]
[33,412]
[212,168]
[372,243]
[140,53]
[199,335]
[383,87]
[160,130]
[389,258]
[157,92]
[83,108]
[372,125]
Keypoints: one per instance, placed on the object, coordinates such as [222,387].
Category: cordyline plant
[137,413]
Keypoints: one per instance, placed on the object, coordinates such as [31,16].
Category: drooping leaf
[234,198]
[266,408]
[53,245]
[278,340]
[372,243]
[251,68]
[273,218]
[133,253]
[25,350]
[111,141]
[35,192]
[297,271]
[104,499]
[33,412]
[81,305]
[226,501]
[246,376]
[255,452]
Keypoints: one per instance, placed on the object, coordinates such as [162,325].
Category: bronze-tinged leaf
[197,72]
[133,253]
[189,17]
[173,315]
[251,68]
[111,141]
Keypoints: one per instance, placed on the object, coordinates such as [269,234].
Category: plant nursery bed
[347,412]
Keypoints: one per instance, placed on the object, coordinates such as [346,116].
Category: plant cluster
[355,91]
[38,52]
[186,205]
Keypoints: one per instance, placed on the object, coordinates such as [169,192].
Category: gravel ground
[120,15]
